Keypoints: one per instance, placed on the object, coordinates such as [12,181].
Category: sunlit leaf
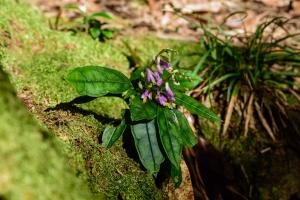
[101,14]
[98,81]
[95,32]
[107,33]
[72,7]
[195,107]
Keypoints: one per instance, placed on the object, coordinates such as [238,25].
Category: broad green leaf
[142,111]
[95,32]
[112,134]
[169,132]
[169,118]
[178,126]
[145,139]
[176,175]
[98,81]
[195,107]
[101,14]
[187,135]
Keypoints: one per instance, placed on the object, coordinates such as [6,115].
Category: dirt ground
[163,16]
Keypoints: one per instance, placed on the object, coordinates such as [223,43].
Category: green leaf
[195,107]
[95,32]
[176,175]
[202,60]
[221,79]
[145,139]
[169,134]
[188,81]
[137,73]
[72,7]
[187,135]
[101,14]
[178,126]
[98,81]
[112,134]
[107,33]
[142,111]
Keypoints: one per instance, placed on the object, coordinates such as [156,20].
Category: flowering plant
[153,94]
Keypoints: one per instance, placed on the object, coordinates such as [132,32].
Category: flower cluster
[157,86]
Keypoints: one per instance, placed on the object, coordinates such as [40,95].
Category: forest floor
[164,17]
[36,60]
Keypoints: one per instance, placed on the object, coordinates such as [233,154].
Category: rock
[198,6]
[276,3]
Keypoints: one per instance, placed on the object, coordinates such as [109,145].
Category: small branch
[264,121]
[229,114]
[249,114]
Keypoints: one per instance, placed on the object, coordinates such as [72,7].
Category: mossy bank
[36,60]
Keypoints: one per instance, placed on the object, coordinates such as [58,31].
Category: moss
[33,164]
[37,59]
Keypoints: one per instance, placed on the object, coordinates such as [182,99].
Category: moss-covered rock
[36,60]
[32,165]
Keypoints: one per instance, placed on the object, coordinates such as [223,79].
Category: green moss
[37,59]
[33,165]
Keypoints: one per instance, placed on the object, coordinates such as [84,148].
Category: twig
[264,121]
[229,114]
[294,93]
[249,114]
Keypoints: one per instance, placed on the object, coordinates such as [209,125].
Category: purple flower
[162,99]
[159,80]
[159,69]
[145,95]
[165,64]
[170,93]
[150,76]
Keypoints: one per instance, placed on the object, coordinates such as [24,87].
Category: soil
[164,17]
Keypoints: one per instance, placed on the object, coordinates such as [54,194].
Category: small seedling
[84,22]
[153,94]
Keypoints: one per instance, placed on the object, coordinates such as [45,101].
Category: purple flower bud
[165,64]
[162,99]
[159,80]
[150,76]
[145,95]
[159,69]
[170,93]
